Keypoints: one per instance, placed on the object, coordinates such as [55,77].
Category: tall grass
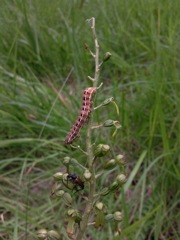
[41,42]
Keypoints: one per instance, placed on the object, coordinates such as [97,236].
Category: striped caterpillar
[83,116]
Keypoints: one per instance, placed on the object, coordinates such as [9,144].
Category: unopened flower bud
[60,193]
[107,56]
[66,161]
[121,179]
[107,101]
[108,123]
[118,216]
[101,150]
[120,159]
[105,191]
[87,175]
[65,179]
[114,186]
[110,164]
[58,176]
[42,234]
[86,47]
[67,198]
[53,235]
[56,186]
[109,217]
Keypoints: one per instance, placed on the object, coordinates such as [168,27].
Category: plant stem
[90,202]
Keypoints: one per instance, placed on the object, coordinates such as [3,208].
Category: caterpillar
[83,115]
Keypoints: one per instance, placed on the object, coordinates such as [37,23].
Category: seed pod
[101,150]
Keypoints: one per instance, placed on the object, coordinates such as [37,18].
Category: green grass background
[41,42]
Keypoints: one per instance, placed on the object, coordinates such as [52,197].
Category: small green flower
[110,164]
[118,216]
[58,176]
[121,179]
[70,227]
[53,235]
[107,56]
[42,234]
[100,216]
[66,161]
[108,123]
[87,175]
[114,186]
[99,206]
[67,183]
[101,150]
[120,159]
[74,214]
[67,198]
[108,101]
[60,193]
[109,217]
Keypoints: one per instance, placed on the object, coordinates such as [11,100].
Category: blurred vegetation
[41,43]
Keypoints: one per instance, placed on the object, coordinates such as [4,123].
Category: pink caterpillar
[83,116]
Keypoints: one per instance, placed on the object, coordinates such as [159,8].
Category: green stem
[89,205]
[90,201]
